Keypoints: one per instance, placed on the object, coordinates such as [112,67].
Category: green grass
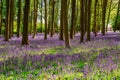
[32,76]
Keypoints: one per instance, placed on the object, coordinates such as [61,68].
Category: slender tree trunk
[41,16]
[25,24]
[65,23]
[45,1]
[104,5]
[89,20]
[82,20]
[95,20]
[56,30]
[61,22]
[35,17]
[52,24]
[98,16]
[19,18]
[11,22]
[85,16]
[109,15]
[7,20]
[49,18]
[13,13]
[31,23]
[1,17]
[73,19]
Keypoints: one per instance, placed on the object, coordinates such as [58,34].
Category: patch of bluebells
[16,58]
[30,62]
[105,63]
[38,44]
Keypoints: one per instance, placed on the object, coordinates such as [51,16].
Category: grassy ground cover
[49,60]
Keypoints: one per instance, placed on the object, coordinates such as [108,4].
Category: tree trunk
[41,16]
[82,20]
[1,17]
[19,18]
[65,23]
[109,15]
[73,19]
[31,23]
[61,22]
[104,5]
[35,17]
[89,20]
[56,30]
[45,1]
[11,22]
[25,25]
[85,16]
[7,20]
[49,20]
[95,20]
[52,24]
[98,16]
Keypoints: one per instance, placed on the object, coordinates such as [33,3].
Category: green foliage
[50,51]
[79,64]
[40,28]
[104,76]
[116,26]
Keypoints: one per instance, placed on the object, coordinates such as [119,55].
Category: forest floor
[98,59]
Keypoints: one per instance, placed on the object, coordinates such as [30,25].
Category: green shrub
[116,26]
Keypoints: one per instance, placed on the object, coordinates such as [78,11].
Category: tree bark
[109,13]
[19,18]
[35,17]
[52,24]
[12,18]
[104,5]
[7,20]
[1,17]
[95,20]
[45,1]
[31,22]
[25,24]
[73,19]
[65,23]
[41,16]
[61,22]
[89,20]
[82,20]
